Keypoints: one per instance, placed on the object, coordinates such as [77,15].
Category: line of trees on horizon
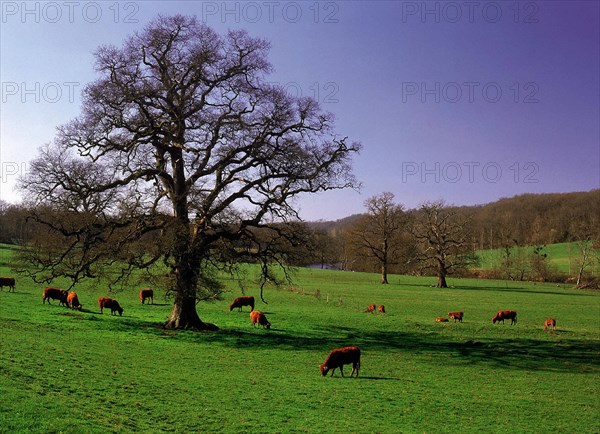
[520,227]
[436,239]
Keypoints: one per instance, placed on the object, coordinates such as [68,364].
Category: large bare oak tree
[377,235]
[443,237]
[181,156]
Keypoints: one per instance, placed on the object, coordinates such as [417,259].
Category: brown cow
[111,304]
[550,322]
[55,294]
[456,316]
[441,319]
[73,301]
[147,293]
[371,308]
[340,357]
[242,301]
[7,281]
[259,318]
[505,314]
[381,308]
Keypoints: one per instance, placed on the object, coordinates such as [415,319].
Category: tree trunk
[384,272]
[184,316]
[186,255]
[384,262]
[584,253]
[442,276]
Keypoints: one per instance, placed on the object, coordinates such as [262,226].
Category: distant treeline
[527,219]
[508,224]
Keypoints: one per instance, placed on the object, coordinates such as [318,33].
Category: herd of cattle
[336,359]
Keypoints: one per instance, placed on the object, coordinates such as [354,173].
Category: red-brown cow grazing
[7,281]
[340,357]
[371,308]
[456,316]
[550,322]
[259,318]
[242,301]
[55,294]
[146,294]
[381,308]
[73,301]
[441,319]
[505,314]
[109,303]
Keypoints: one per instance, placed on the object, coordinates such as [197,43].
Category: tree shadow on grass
[382,378]
[520,290]
[581,356]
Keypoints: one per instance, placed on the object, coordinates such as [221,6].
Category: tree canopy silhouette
[181,155]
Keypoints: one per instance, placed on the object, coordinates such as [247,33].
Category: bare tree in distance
[377,234]
[442,235]
[586,235]
[182,154]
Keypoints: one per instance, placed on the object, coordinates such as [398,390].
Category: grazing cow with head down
[259,318]
[550,322]
[7,281]
[73,301]
[381,308]
[242,301]
[505,314]
[147,294]
[456,316]
[109,303]
[340,357]
[371,308]
[55,294]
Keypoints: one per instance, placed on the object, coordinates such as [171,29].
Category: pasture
[563,257]
[82,372]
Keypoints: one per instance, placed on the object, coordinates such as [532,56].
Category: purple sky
[466,101]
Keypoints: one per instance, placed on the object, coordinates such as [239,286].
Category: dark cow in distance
[242,301]
[109,303]
[147,294]
[7,281]
[55,294]
[505,314]
[340,357]
[371,308]
[456,316]
[381,308]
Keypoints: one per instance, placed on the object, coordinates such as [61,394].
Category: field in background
[563,257]
[82,372]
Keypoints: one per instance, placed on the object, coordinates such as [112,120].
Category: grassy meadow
[563,257]
[82,372]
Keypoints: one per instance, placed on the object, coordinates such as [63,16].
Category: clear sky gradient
[465,101]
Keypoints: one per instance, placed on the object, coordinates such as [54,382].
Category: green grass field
[563,257]
[82,372]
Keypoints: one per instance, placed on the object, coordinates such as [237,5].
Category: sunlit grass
[82,372]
